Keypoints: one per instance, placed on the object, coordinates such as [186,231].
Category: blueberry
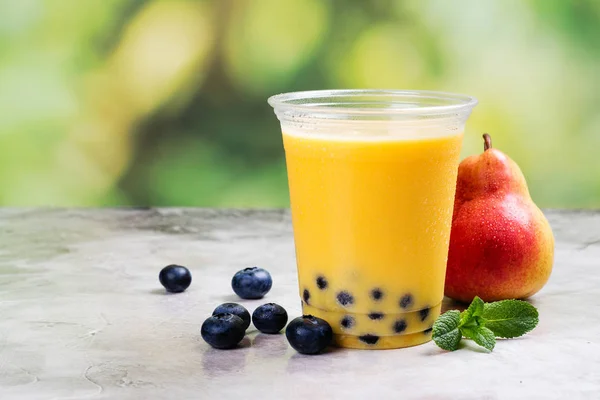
[369,339]
[424,313]
[347,322]
[175,278]
[376,315]
[235,309]
[306,296]
[308,334]
[406,300]
[376,294]
[223,331]
[322,283]
[345,298]
[269,318]
[251,283]
[400,326]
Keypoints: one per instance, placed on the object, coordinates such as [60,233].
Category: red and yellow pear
[501,244]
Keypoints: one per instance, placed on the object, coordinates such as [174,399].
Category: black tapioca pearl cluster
[423,314]
[369,339]
[345,298]
[376,294]
[322,282]
[376,315]
[306,296]
[406,300]
[399,326]
[347,322]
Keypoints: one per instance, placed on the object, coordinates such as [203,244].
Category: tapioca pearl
[428,331]
[423,314]
[406,300]
[347,322]
[306,296]
[369,339]
[376,294]
[400,326]
[322,282]
[376,315]
[345,298]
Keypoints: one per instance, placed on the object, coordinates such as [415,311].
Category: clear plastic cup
[372,176]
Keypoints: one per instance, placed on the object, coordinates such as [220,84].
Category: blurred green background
[163,102]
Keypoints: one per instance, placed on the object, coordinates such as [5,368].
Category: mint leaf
[480,335]
[510,318]
[483,322]
[472,325]
[445,330]
[475,310]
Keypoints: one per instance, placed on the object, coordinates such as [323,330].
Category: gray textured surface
[82,315]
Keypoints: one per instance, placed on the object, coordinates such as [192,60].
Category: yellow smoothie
[372,217]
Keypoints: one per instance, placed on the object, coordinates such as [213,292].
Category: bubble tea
[372,176]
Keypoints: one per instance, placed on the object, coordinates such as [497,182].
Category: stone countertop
[82,315]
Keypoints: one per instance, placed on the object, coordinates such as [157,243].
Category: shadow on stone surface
[269,346]
[217,362]
[232,298]
[450,304]
[305,363]
[464,345]
[162,292]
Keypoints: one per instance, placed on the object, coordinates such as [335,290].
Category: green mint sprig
[483,322]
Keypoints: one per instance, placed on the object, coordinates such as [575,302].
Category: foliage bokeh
[163,102]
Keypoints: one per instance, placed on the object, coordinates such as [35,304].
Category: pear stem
[487,142]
